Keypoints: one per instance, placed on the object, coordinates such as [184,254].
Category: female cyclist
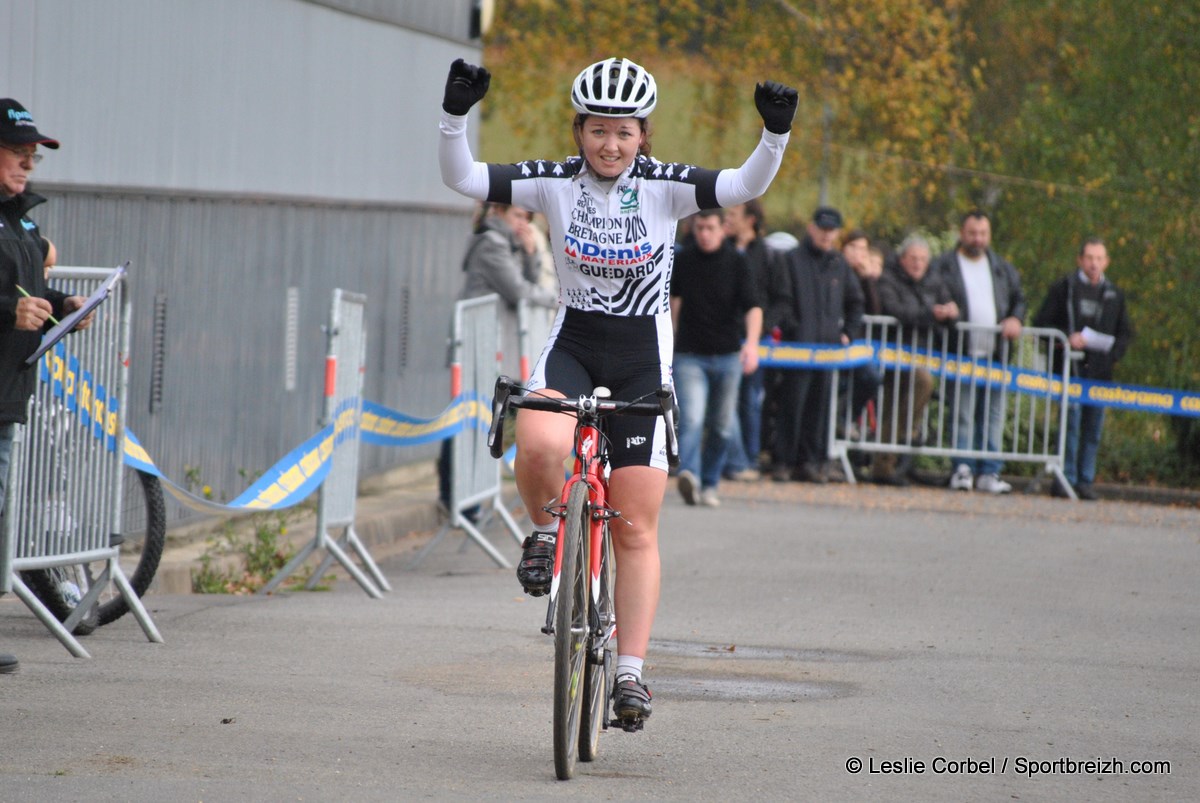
[612,212]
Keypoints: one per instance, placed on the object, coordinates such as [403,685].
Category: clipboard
[68,323]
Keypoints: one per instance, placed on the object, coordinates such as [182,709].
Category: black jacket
[22,255]
[1061,310]
[911,302]
[814,296]
[1006,286]
[716,291]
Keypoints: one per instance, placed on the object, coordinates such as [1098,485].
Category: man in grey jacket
[988,293]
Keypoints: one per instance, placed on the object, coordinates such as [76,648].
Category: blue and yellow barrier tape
[293,478]
[1094,392]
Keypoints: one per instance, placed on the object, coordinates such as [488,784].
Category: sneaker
[992,484]
[709,498]
[744,475]
[687,485]
[781,473]
[962,478]
[10,664]
[631,702]
[537,564]
[1086,492]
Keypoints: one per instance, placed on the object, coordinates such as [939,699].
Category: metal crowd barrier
[65,482]
[534,324]
[474,475]
[345,363]
[912,362]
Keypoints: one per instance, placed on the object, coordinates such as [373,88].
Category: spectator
[987,291]
[501,258]
[814,298]
[860,384]
[26,303]
[1090,310]
[717,314]
[744,226]
[921,302]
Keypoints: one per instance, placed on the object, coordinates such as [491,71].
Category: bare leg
[543,444]
[636,491]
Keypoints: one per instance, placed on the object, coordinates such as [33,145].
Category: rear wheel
[60,588]
[570,633]
[597,682]
[144,510]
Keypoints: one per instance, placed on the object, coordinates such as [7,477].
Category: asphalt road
[812,643]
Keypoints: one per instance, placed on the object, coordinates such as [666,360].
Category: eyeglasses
[24,154]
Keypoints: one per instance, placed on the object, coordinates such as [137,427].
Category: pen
[25,293]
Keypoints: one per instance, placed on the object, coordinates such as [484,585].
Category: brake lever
[495,437]
[666,399]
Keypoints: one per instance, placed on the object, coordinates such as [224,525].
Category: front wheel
[597,681]
[570,632]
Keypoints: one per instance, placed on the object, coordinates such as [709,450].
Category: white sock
[629,666]
[546,529]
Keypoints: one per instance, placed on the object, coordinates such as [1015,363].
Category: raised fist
[465,86]
[777,105]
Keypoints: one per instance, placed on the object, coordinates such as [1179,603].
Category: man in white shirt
[988,293]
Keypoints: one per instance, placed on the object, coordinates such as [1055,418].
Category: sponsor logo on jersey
[629,201]
[637,440]
[594,254]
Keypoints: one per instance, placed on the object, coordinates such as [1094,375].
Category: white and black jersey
[612,241]
[613,247]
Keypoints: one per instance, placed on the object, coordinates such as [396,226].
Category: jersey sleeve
[751,180]
[701,188]
[495,183]
[460,171]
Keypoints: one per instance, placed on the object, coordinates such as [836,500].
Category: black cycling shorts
[631,356]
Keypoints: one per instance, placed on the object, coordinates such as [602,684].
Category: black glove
[466,85]
[777,105]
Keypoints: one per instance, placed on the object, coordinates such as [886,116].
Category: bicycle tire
[59,588]
[53,586]
[597,680]
[570,633]
[153,542]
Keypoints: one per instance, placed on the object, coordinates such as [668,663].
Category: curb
[396,512]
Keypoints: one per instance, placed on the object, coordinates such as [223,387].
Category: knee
[542,447]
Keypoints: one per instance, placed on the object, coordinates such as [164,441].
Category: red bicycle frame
[589,468]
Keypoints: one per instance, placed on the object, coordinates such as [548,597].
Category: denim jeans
[745,443]
[7,432]
[980,425]
[1084,425]
[707,386]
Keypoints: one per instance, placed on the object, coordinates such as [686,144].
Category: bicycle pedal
[631,725]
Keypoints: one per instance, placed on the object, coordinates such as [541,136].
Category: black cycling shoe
[631,703]
[537,564]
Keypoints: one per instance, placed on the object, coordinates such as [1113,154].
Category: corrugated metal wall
[248,156]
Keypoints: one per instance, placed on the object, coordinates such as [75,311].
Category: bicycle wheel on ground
[144,518]
[597,679]
[60,588]
[144,514]
[570,633]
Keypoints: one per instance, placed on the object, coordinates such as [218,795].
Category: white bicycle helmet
[614,88]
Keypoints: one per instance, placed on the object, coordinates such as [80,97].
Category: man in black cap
[26,303]
[814,297]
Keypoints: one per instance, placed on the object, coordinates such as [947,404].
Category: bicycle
[143,517]
[583,620]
